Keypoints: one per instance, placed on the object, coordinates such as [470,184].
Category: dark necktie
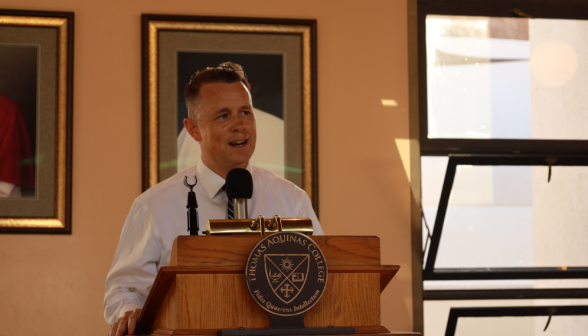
[230,213]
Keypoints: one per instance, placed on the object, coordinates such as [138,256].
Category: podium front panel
[217,301]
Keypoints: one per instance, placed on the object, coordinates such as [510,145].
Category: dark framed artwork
[36,73]
[279,58]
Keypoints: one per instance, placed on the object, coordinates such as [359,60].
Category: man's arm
[134,267]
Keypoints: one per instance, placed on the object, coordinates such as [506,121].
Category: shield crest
[286,274]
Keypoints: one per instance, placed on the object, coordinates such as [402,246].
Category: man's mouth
[238,143]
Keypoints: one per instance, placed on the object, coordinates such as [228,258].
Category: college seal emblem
[286,273]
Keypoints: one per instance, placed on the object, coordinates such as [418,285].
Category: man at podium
[220,118]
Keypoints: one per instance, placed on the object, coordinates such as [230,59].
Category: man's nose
[238,124]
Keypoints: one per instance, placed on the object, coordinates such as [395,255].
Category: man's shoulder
[164,188]
[274,181]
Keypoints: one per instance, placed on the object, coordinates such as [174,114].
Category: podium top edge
[249,236]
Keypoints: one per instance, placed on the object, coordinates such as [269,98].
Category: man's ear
[192,127]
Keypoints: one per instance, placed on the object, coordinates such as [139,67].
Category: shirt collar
[210,180]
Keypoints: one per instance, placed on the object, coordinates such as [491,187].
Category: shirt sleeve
[135,264]
[305,210]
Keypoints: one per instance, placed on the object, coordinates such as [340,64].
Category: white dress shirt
[158,216]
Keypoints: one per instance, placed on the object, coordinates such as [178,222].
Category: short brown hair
[215,75]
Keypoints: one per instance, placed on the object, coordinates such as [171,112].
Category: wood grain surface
[223,302]
[204,289]
[360,331]
[213,251]
[214,332]
[167,318]
[351,298]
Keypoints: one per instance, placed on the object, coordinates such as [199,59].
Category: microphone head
[239,184]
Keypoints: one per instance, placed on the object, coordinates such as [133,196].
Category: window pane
[522,326]
[506,78]
[510,216]
[432,175]
[503,284]
[436,314]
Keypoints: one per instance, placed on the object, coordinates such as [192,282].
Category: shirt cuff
[127,307]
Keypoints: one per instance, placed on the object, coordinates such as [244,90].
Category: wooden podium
[203,290]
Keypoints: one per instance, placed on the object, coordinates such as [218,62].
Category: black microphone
[239,188]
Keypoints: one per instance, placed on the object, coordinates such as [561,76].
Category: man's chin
[239,155]
[240,162]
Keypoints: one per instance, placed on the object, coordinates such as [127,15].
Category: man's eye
[246,112]
[223,116]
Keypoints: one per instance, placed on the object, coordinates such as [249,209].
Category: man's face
[225,127]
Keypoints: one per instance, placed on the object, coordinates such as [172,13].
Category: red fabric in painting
[16,161]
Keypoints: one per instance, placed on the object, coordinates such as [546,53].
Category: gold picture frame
[165,36]
[47,209]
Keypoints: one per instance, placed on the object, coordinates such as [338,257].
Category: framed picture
[36,72]
[279,58]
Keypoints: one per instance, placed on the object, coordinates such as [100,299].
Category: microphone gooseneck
[192,206]
[239,188]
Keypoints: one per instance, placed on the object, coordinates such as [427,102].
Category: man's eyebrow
[227,109]
[223,110]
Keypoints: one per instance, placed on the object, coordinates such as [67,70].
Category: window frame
[545,9]
[526,311]
[418,11]
[506,294]
[503,273]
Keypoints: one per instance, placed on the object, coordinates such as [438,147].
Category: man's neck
[221,171]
